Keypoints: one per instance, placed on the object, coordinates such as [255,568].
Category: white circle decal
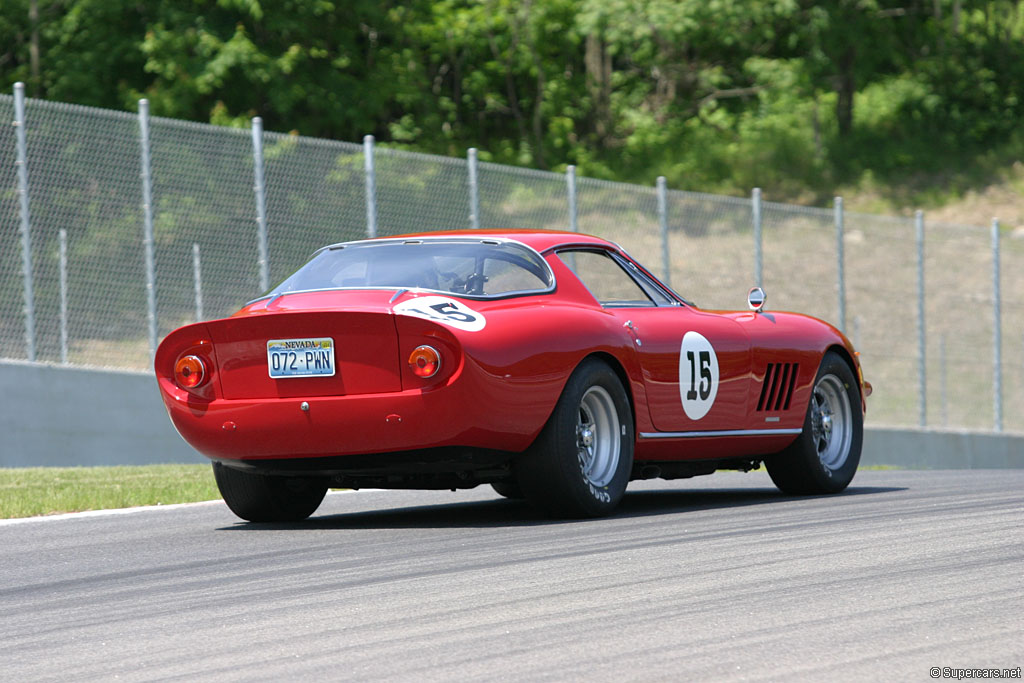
[443,310]
[698,375]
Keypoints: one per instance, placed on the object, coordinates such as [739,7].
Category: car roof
[541,240]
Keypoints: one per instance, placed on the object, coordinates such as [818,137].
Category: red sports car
[550,365]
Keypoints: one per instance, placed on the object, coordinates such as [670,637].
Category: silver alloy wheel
[597,437]
[831,422]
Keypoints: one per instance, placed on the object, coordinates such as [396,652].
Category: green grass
[33,491]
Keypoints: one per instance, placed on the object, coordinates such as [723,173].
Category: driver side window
[607,281]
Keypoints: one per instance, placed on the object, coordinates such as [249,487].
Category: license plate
[300,357]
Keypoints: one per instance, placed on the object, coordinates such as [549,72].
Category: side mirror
[755,299]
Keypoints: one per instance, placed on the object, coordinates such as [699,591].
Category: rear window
[474,268]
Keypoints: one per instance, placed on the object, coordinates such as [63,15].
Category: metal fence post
[63,238]
[147,226]
[922,364]
[26,235]
[840,263]
[197,276]
[943,397]
[371,187]
[474,191]
[997,332]
[666,263]
[259,186]
[755,207]
[570,182]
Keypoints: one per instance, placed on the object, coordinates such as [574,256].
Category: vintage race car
[550,365]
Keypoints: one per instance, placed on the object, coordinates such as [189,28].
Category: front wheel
[824,458]
[268,498]
[580,463]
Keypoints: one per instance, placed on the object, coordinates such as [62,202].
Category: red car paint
[496,386]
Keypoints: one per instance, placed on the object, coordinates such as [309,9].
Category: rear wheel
[266,498]
[580,463]
[824,458]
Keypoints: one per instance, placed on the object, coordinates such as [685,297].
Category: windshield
[467,267]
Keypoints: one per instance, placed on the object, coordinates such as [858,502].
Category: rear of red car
[392,383]
[358,365]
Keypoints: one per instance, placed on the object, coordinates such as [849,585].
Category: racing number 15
[705,376]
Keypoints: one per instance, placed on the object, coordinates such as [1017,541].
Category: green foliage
[792,95]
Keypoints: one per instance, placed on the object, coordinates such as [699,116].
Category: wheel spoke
[831,418]
[597,432]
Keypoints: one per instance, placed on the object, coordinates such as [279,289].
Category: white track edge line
[130,511]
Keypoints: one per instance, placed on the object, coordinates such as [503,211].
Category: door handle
[633,329]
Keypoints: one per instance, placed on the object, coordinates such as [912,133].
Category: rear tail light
[425,361]
[189,372]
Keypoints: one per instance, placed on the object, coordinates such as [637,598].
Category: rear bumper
[280,428]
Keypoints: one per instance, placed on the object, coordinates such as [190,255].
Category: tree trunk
[33,48]
[599,83]
[845,88]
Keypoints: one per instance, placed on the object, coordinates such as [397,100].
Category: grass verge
[33,491]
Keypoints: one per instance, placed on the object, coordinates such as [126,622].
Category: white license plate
[300,357]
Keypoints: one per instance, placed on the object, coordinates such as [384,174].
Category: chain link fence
[85,179]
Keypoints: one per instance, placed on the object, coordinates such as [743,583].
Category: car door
[696,365]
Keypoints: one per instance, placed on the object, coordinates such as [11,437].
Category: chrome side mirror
[755,299]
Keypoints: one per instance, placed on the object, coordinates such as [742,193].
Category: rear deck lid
[307,353]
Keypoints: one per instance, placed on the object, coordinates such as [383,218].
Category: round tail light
[425,361]
[189,372]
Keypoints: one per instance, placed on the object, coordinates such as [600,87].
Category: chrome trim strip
[726,432]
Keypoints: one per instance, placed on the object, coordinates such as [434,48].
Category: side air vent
[777,390]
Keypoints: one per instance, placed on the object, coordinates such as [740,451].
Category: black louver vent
[777,390]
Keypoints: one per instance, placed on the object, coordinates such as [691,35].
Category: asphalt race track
[718,577]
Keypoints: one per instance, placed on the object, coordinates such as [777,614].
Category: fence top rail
[686,195]
[815,211]
[65,107]
[384,151]
[179,124]
[895,221]
[583,181]
[519,170]
[274,137]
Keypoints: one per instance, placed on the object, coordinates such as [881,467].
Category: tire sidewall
[582,495]
[825,479]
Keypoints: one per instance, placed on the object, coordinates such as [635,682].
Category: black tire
[267,498]
[824,458]
[581,461]
[508,488]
